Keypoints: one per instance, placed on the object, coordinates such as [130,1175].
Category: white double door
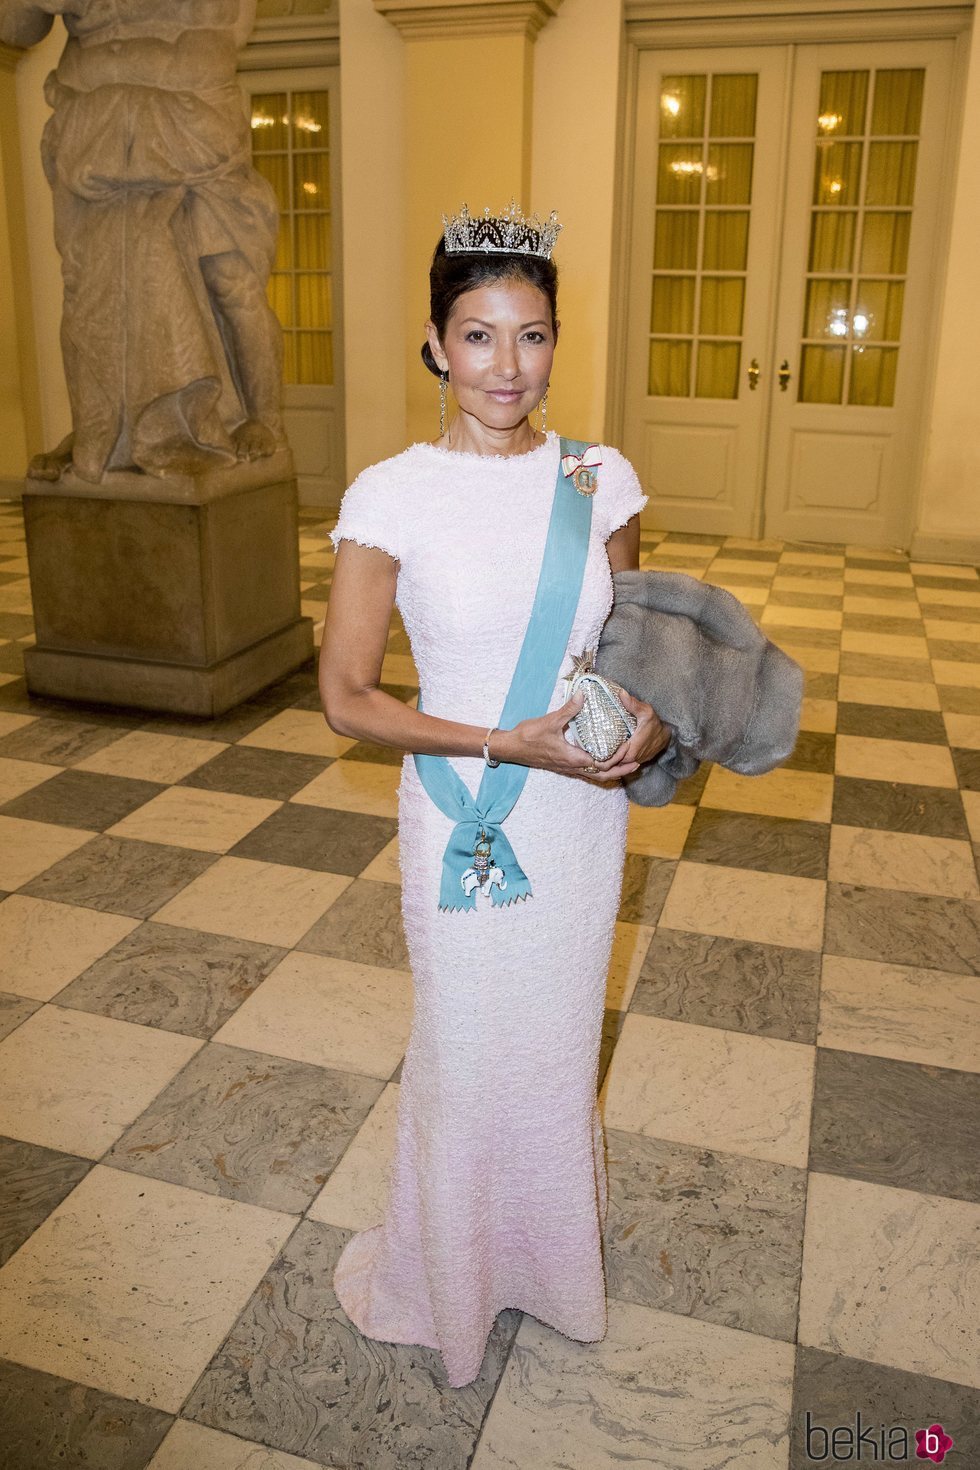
[784,273]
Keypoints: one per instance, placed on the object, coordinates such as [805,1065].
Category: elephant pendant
[484,874]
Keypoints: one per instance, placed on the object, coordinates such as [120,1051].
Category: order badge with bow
[581,469]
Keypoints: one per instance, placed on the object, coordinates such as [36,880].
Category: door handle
[752,373]
[784,374]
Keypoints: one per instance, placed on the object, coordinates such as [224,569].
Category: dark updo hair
[451,275]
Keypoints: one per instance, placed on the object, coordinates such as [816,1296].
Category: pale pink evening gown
[498,1185]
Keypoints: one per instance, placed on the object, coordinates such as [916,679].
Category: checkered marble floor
[207,997]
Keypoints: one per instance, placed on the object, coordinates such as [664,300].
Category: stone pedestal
[177,594]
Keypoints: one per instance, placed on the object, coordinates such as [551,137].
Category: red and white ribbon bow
[588,459]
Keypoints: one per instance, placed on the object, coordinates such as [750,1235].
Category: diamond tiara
[510,233]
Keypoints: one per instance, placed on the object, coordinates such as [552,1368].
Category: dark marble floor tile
[897,1123]
[814,751]
[886,722]
[284,692]
[363,924]
[249,1126]
[15,699]
[742,553]
[808,573]
[967,763]
[49,1423]
[951,613]
[89,800]
[910,627]
[803,637]
[713,1236]
[317,591]
[805,599]
[321,838]
[248,770]
[646,881]
[612,1025]
[959,699]
[954,650]
[398,642]
[178,979]
[11,654]
[718,572]
[120,875]
[891,806]
[689,792]
[16,625]
[760,989]
[14,1010]
[903,928]
[58,742]
[385,755]
[316,1387]
[33,1180]
[830,1390]
[886,666]
[875,564]
[820,686]
[765,844]
[952,584]
[696,538]
[817,548]
[891,591]
[231,726]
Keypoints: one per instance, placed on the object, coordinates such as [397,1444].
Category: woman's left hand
[649,738]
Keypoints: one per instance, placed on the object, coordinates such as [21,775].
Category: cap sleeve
[369,513]
[620,494]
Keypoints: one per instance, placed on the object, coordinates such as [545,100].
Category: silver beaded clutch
[603,722]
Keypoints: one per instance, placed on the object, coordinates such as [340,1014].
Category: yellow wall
[949,507]
[20,424]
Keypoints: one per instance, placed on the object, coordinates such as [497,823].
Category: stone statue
[167,235]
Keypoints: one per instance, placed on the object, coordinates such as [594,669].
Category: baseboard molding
[960,550]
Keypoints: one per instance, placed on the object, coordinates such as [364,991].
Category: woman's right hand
[541,743]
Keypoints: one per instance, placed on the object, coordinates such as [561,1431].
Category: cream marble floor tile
[875,553]
[131,1284]
[331,1012]
[13,598]
[963,731]
[44,945]
[900,693]
[854,641]
[16,564]
[889,1275]
[399,668]
[903,860]
[267,902]
[27,848]
[691,550]
[825,586]
[811,559]
[354,786]
[385,868]
[658,831]
[914,1015]
[711,1088]
[8,678]
[749,543]
[750,596]
[802,617]
[356,1194]
[311,608]
[150,757]
[11,722]
[948,597]
[629,948]
[659,1390]
[188,816]
[820,715]
[814,660]
[731,566]
[74,1081]
[952,631]
[941,569]
[971,805]
[767,908]
[301,731]
[910,761]
[190,1446]
[881,579]
[805,795]
[16,777]
[950,671]
[881,607]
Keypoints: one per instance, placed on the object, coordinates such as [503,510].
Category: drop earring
[443,390]
[543,412]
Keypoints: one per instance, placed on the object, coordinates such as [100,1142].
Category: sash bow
[587,460]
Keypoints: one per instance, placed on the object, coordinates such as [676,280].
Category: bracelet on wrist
[486,748]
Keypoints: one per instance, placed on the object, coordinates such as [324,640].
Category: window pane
[878,312]
[837,174]
[885,246]
[729,173]
[314,357]
[675,245]
[718,369]
[268,121]
[313,301]
[873,376]
[276,170]
[289,357]
[843,102]
[891,173]
[284,245]
[821,374]
[679,174]
[670,369]
[313,242]
[733,105]
[832,240]
[682,106]
[672,306]
[897,106]
[726,240]
[311,120]
[722,299]
[280,293]
[826,308]
[311,173]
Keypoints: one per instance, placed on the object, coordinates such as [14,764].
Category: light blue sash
[538,667]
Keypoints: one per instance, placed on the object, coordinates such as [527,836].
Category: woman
[498,1185]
